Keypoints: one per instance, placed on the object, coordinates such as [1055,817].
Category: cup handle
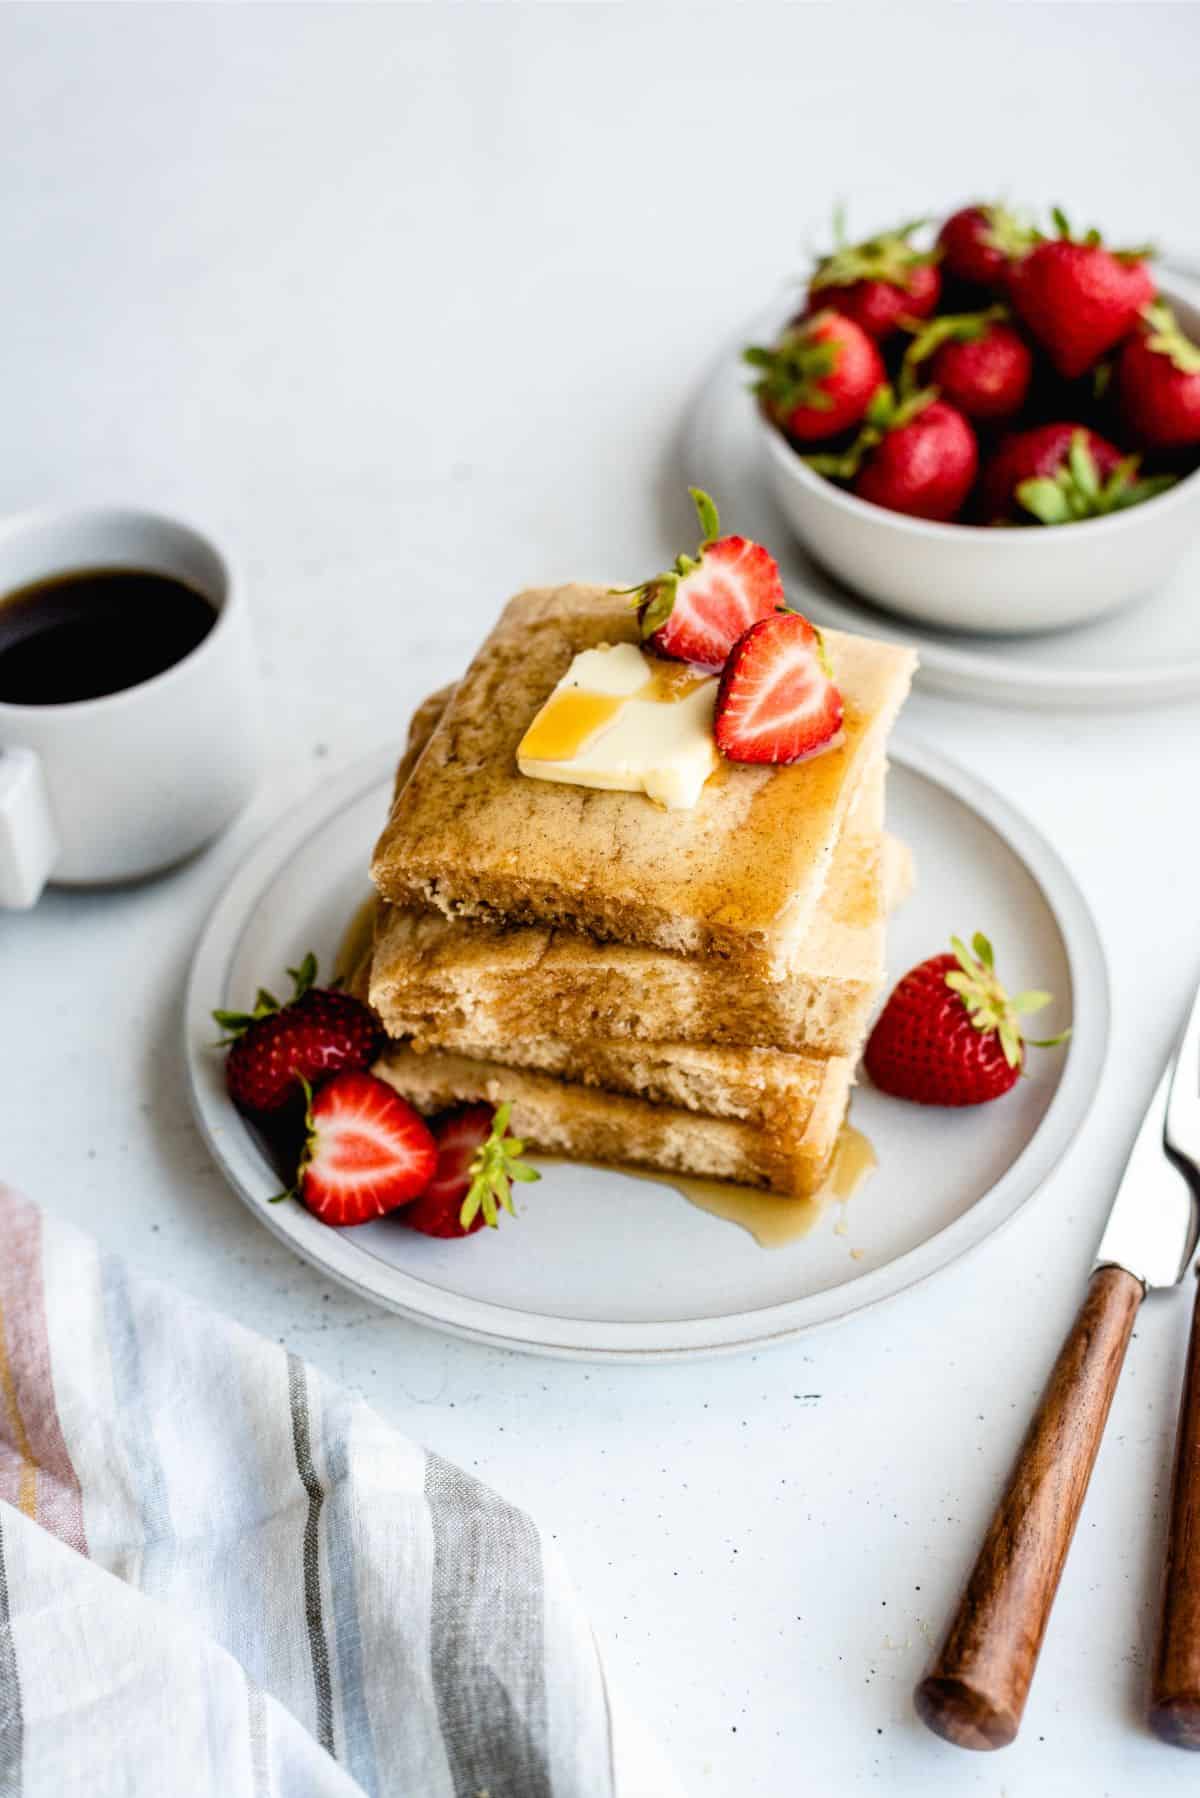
[28,840]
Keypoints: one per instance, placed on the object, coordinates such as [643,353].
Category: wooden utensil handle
[975,1692]
[1175,1689]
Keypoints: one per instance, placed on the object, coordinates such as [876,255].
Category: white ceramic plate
[1146,654]
[604,1266]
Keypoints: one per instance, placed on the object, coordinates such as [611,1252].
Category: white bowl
[971,578]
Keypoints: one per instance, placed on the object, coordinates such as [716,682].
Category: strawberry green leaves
[235,1023]
[706,512]
[497,1164]
[656,598]
[888,411]
[988,1006]
[949,327]
[792,372]
[1094,240]
[1166,338]
[1076,491]
[889,257]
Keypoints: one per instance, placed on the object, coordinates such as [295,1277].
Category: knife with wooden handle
[974,1694]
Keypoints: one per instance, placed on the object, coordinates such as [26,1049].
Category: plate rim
[333,1253]
[945,666]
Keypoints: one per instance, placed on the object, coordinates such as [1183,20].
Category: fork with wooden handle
[1175,1686]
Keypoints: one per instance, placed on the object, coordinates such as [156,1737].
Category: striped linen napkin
[220,1574]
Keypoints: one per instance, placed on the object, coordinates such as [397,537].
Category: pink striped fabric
[222,1575]
[36,1474]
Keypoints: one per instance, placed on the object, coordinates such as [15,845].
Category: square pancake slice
[478,987]
[738,877]
[560,1117]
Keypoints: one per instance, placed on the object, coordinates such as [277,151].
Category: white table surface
[404,305]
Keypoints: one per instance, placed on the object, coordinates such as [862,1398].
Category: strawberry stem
[886,412]
[1167,339]
[655,598]
[1093,240]
[792,372]
[496,1164]
[987,1004]
[889,257]
[1075,490]
[951,327]
[236,1023]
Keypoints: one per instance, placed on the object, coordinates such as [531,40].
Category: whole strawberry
[1158,383]
[977,362]
[1079,298]
[275,1049]
[979,245]
[819,378]
[697,610]
[914,455]
[1061,474]
[477,1161]
[950,1034]
[878,282]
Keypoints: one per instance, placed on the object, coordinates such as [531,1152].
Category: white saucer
[1145,655]
[604,1266]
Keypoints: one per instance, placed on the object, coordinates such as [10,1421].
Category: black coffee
[95,631]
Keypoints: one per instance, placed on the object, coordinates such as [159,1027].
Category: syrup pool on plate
[769,1217]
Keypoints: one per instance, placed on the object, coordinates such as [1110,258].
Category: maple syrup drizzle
[566,722]
[356,938]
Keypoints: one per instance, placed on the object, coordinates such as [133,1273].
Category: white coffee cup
[95,791]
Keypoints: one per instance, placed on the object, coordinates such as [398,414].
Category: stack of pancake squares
[678,990]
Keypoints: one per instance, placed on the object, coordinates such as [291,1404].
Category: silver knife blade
[1152,1227]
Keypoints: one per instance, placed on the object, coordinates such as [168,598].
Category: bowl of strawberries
[943,406]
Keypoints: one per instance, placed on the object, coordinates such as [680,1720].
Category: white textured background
[404,305]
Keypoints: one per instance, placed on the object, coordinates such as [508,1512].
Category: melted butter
[566,722]
[357,938]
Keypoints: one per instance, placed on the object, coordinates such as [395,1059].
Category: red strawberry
[1078,298]
[477,1161]
[878,282]
[1158,380]
[366,1151]
[980,243]
[777,701]
[950,1034]
[916,455]
[276,1048]
[1060,474]
[697,610]
[976,361]
[818,380]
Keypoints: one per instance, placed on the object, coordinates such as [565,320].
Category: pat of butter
[629,723]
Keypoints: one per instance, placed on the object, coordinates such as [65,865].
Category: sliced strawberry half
[366,1151]
[697,610]
[777,701]
[477,1161]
